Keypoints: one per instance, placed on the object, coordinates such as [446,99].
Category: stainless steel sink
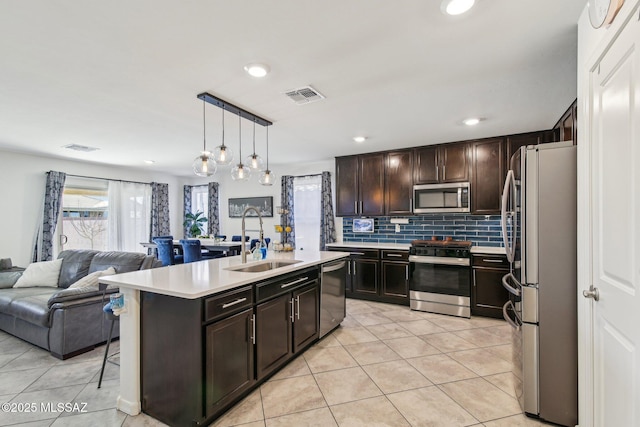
[257,267]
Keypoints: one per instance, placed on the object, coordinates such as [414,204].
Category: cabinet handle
[394,255]
[291,316]
[492,260]
[474,277]
[349,268]
[437,173]
[230,304]
[357,253]
[444,172]
[298,307]
[286,285]
[354,268]
[355,206]
[406,270]
[253,329]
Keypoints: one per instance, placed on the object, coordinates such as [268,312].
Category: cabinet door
[365,277]
[371,181]
[273,334]
[398,187]
[454,160]
[395,279]
[306,325]
[514,142]
[488,294]
[488,176]
[426,165]
[229,359]
[347,186]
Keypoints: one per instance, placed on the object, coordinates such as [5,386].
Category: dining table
[228,248]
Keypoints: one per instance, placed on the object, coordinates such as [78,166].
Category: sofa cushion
[75,265]
[42,274]
[28,304]
[9,277]
[122,262]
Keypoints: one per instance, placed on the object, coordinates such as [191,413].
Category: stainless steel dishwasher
[332,295]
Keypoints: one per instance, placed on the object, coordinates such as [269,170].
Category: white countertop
[202,278]
[370,245]
[489,250]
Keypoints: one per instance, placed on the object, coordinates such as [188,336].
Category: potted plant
[194,222]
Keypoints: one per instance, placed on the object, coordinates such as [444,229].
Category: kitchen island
[188,327]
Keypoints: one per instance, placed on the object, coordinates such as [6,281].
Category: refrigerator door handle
[506,316]
[507,286]
[506,215]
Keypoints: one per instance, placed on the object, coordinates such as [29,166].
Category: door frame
[592,46]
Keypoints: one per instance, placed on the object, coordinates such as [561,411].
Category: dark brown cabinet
[394,267]
[488,159]
[360,185]
[443,163]
[514,142]
[398,187]
[488,295]
[229,363]
[566,128]
[287,319]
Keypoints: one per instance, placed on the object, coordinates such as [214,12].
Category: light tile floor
[385,366]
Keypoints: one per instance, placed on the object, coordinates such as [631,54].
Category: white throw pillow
[92,279]
[40,274]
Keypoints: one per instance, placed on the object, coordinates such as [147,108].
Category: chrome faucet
[244,214]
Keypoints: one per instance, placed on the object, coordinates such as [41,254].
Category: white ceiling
[123,75]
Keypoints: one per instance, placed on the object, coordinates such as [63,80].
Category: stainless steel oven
[440,277]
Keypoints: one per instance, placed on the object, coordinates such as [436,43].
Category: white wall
[22,181]
[232,189]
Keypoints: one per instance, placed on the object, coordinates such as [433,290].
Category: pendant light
[204,164]
[240,172]
[267,177]
[222,154]
[253,160]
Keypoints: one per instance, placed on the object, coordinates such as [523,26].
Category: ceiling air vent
[304,95]
[78,147]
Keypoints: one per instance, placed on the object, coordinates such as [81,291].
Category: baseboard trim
[128,407]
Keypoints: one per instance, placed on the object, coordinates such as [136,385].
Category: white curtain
[307,202]
[129,215]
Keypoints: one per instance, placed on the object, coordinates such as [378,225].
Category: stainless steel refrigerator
[539,231]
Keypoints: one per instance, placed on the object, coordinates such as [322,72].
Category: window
[85,210]
[200,199]
[307,193]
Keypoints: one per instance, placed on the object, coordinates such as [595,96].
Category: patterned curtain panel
[160,223]
[327,225]
[187,208]
[214,210]
[286,199]
[43,248]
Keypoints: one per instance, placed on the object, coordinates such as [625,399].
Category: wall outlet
[397,228]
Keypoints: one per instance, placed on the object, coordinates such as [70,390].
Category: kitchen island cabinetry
[488,295]
[360,185]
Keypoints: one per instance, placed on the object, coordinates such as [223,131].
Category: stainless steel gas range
[439,277]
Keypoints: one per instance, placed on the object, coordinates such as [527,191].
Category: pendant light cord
[223,127]
[254,138]
[267,147]
[204,127]
[240,135]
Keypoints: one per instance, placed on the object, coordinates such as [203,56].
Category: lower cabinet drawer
[227,303]
[280,286]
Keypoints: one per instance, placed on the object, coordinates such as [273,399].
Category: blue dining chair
[237,238]
[165,251]
[267,240]
[221,237]
[254,243]
[191,249]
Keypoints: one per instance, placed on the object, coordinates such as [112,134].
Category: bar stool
[108,312]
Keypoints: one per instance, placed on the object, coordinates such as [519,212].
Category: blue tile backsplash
[482,230]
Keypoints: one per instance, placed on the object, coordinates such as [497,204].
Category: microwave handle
[459,195]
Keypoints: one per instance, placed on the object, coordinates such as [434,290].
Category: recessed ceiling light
[257,70]
[472,121]
[359,138]
[149,162]
[456,7]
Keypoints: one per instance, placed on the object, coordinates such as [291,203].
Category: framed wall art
[263,204]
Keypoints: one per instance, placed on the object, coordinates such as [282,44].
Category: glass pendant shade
[240,172]
[223,155]
[204,165]
[255,162]
[267,177]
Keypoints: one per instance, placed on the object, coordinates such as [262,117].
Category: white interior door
[615,230]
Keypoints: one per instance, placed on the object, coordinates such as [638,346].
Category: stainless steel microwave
[436,198]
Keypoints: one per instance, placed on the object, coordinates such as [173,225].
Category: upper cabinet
[566,128]
[514,142]
[398,188]
[444,163]
[360,185]
[488,170]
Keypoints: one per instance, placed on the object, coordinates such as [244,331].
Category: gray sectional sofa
[66,322]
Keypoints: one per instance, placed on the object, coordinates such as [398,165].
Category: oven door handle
[434,260]
[507,286]
[506,316]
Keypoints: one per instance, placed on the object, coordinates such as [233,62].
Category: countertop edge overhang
[208,277]
[405,247]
